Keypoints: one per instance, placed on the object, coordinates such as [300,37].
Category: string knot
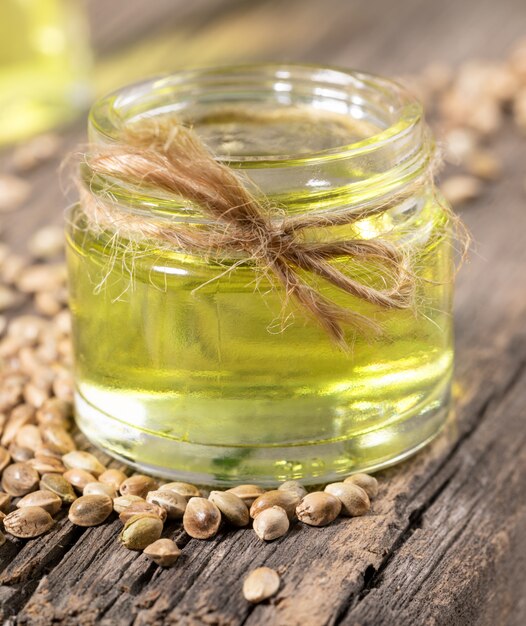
[174,161]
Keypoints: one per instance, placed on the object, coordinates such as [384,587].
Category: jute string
[171,159]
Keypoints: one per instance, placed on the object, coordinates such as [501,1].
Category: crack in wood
[25,581]
[373,577]
[139,619]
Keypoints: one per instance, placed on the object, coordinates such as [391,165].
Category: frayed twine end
[171,158]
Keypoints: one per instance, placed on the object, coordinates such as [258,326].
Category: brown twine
[173,160]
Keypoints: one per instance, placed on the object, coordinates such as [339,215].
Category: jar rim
[105,118]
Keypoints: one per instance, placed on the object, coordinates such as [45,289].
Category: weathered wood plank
[401,37]
[23,564]
[121,22]
[467,553]
[323,569]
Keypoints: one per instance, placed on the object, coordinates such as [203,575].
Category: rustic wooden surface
[445,542]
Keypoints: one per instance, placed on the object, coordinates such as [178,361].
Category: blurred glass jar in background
[44,63]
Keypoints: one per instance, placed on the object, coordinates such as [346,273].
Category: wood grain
[445,541]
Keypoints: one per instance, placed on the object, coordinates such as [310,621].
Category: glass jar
[44,65]
[192,371]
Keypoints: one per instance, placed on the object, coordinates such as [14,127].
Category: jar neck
[390,151]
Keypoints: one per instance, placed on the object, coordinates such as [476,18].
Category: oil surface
[178,350]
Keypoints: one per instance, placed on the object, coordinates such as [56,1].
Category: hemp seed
[271,523]
[79,478]
[41,277]
[138,485]
[354,499]
[484,164]
[247,493]
[202,518]
[173,503]
[45,464]
[164,552]
[47,242]
[78,459]
[184,489]
[57,438]
[19,479]
[14,191]
[28,522]
[35,395]
[140,531]
[460,189]
[97,488]
[113,477]
[20,454]
[28,436]
[231,506]
[90,510]
[54,411]
[46,500]
[59,485]
[8,298]
[318,508]
[368,483]
[294,486]
[122,503]
[287,500]
[142,508]
[20,415]
[5,458]
[261,584]
[5,502]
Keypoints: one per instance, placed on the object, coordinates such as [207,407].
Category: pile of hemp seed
[41,470]
[467,107]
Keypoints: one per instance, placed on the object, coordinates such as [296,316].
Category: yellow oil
[43,65]
[188,370]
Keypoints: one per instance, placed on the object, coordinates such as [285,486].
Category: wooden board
[445,542]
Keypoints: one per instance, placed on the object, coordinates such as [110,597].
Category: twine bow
[174,160]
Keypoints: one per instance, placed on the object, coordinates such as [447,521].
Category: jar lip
[406,107]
